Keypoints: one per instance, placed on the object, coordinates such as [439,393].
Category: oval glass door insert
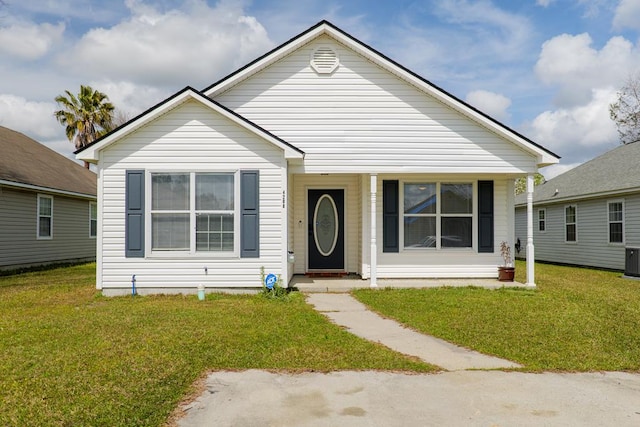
[325,225]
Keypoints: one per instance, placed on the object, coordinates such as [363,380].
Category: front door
[326,229]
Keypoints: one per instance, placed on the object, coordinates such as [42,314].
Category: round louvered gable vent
[324,60]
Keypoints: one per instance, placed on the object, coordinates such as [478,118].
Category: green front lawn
[577,320]
[70,357]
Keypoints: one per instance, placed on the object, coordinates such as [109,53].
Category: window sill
[187,255]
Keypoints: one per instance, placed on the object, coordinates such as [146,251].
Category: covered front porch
[353,245]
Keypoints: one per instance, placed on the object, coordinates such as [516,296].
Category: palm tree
[85,117]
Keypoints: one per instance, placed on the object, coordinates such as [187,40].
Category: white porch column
[530,250]
[374,244]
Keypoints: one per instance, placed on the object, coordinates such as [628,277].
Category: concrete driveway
[461,398]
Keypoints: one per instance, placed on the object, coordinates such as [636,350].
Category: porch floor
[350,282]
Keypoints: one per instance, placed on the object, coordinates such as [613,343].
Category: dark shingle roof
[26,161]
[615,171]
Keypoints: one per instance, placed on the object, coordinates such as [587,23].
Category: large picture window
[438,215]
[570,223]
[616,222]
[193,212]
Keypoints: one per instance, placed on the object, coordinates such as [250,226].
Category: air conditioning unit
[632,262]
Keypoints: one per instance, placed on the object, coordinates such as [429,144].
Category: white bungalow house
[323,155]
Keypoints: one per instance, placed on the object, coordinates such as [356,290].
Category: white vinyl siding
[190,138]
[363,119]
[45,217]
[615,217]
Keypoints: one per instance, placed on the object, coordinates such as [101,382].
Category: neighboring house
[323,155]
[48,210]
[589,214]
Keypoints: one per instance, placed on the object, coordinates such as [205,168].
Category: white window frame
[439,215]
[38,216]
[542,221]
[575,223]
[191,252]
[93,205]
[609,222]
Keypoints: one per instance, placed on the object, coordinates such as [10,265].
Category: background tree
[626,110]
[86,117]
[521,183]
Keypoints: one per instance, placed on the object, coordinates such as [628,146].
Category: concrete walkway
[346,311]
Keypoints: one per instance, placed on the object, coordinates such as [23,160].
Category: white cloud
[32,118]
[544,3]
[627,15]
[552,171]
[130,98]
[28,40]
[195,45]
[571,63]
[493,104]
[579,131]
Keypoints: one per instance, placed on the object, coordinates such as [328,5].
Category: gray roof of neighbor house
[616,171]
[25,162]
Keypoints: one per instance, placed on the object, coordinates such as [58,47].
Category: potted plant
[506,271]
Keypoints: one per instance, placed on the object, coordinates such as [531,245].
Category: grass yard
[70,357]
[577,320]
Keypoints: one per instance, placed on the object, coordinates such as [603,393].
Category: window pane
[93,228]
[45,206]
[170,191]
[214,192]
[541,226]
[456,198]
[615,211]
[615,232]
[170,231]
[44,227]
[419,232]
[420,198]
[541,214]
[214,232]
[456,232]
[570,214]
[571,233]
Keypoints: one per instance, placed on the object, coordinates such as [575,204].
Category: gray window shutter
[249,210]
[390,217]
[134,208]
[485,216]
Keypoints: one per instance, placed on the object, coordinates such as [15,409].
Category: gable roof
[90,152]
[544,156]
[26,163]
[614,172]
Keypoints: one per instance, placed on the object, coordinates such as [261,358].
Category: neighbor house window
[193,212]
[570,223]
[616,221]
[45,217]
[93,219]
[438,215]
[542,219]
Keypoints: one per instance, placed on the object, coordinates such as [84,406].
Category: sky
[547,68]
